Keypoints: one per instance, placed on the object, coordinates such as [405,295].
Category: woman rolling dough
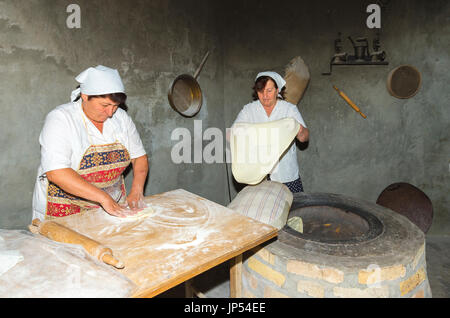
[85,147]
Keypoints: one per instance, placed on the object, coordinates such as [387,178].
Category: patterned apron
[102,166]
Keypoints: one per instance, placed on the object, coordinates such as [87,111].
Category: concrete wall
[401,140]
[151,42]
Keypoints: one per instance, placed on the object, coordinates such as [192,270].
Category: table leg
[236,277]
[188,292]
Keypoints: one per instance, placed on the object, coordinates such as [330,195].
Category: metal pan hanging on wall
[404,81]
[185,95]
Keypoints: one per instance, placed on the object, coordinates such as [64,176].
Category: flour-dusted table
[184,236]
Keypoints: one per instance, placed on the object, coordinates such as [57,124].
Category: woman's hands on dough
[70,181]
[112,207]
[136,200]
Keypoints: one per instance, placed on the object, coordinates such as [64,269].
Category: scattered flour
[200,237]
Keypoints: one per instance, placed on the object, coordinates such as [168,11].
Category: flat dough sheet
[256,148]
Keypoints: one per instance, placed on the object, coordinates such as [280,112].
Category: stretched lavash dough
[257,148]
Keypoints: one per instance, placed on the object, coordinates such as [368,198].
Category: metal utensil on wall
[404,81]
[185,95]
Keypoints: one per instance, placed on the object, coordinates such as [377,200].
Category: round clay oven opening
[334,225]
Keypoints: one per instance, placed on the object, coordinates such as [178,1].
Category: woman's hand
[136,200]
[70,181]
[112,207]
[140,170]
[303,134]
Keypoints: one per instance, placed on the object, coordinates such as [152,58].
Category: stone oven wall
[270,272]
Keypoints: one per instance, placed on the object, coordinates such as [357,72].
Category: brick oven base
[391,265]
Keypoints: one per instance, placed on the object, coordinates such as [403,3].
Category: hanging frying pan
[404,81]
[185,95]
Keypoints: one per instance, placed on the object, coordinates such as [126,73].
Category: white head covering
[98,81]
[275,76]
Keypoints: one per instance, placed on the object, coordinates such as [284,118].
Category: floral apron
[102,166]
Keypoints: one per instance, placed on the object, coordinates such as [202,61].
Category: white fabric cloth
[9,259]
[49,269]
[64,140]
[268,202]
[286,170]
[98,80]
[275,76]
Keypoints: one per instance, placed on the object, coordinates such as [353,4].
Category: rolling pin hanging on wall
[348,100]
[60,233]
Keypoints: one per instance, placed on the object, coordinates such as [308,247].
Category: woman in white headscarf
[269,105]
[85,147]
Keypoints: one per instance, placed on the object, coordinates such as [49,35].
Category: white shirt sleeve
[135,147]
[55,141]
[242,117]
[294,112]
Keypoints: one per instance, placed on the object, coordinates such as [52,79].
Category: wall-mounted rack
[362,55]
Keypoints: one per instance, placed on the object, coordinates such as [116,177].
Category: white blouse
[67,134]
[286,170]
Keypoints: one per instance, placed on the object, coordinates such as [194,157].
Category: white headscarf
[275,76]
[99,80]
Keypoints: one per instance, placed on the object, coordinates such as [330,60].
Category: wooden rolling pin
[60,233]
[352,104]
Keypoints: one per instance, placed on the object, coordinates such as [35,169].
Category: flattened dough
[256,148]
[141,214]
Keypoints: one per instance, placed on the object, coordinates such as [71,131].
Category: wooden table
[185,236]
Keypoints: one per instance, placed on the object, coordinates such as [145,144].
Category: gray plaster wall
[152,42]
[401,140]
[149,42]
